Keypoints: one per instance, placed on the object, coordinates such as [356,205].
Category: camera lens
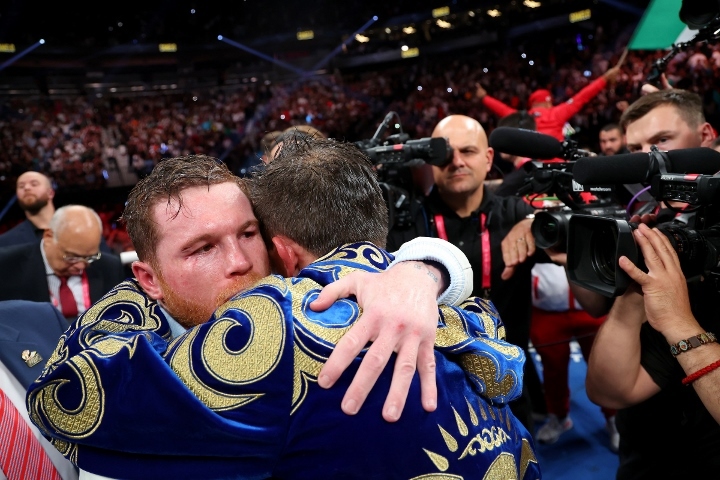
[549,229]
[602,247]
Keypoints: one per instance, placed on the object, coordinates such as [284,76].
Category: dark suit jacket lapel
[95,280]
[36,268]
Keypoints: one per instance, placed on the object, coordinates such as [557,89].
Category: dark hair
[520,119]
[688,104]
[610,127]
[166,182]
[322,194]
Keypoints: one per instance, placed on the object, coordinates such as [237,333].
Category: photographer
[666,428]
[492,231]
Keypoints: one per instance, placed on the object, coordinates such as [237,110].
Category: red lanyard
[85,290]
[485,248]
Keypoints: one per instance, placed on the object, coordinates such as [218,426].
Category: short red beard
[189,311]
[34,207]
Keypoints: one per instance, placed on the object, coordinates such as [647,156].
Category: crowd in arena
[77,140]
[248,204]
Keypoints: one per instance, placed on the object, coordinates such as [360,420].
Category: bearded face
[32,203]
[192,311]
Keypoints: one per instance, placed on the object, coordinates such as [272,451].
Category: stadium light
[531,4]
[494,12]
[443,24]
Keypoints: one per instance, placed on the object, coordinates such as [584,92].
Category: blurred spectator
[550,119]
[35,195]
[612,140]
[65,268]
[266,144]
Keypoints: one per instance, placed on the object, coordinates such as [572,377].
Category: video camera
[595,244]
[393,156]
[554,177]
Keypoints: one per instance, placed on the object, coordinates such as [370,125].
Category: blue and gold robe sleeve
[237,397]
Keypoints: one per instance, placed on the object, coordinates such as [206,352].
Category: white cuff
[450,256]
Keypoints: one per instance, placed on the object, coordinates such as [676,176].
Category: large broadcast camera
[552,174]
[393,156]
[595,244]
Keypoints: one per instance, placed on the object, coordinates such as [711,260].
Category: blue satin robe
[237,397]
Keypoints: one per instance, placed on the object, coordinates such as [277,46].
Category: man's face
[611,142]
[65,252]
[207,253]
[471,160]
[665,127]
[33,191]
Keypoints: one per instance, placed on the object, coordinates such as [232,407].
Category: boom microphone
[525,143]
[640,167]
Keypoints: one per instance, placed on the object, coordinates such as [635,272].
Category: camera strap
[484,245]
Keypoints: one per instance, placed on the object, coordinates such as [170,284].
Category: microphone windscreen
[624,168]
[701,160]
[636,167]
[525,143]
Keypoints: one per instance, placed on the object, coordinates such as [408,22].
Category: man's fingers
[651,255]
[662,246]
[633,272]
[370,369]
[343,288]
[427,372]
[530,242]
[343,354]
[404,371]
[507,273]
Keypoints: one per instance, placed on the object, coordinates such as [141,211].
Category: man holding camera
[493,232]
[655,358]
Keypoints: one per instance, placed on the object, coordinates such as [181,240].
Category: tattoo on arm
[420,266]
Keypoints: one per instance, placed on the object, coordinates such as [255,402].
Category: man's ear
[287,258]
[148,280]
[490,156]
[707,135]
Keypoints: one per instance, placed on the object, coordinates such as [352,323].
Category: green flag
[660,27]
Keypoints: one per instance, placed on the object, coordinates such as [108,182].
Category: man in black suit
[65,268]
[35,195]
[29,332]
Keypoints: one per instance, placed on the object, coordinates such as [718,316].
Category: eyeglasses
[76,258]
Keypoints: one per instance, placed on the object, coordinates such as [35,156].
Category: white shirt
[74,282]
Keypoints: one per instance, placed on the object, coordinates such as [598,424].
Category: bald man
[492,231]
[66,267]
[35,196]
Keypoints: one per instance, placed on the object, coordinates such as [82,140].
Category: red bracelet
[694,376]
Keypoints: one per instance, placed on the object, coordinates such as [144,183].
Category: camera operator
[492,231]
[666,428]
